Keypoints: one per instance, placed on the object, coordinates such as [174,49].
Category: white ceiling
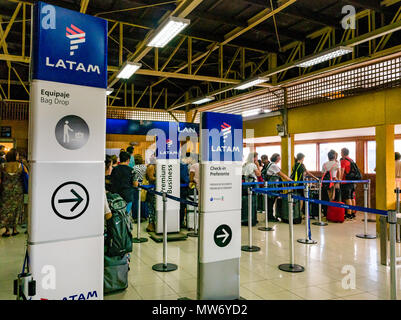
[323,135]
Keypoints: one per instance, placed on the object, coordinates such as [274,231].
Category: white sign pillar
[67,125]
[220,206]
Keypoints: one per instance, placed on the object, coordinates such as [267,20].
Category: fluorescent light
[251,83]
[267,111]
[128,69]
[109,91]
[204,100]
[324,56]
[167,31]
[250,113]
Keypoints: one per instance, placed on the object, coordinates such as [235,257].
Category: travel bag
[282,210]
[115,273]
[118,237]
[244,208]
[335,214]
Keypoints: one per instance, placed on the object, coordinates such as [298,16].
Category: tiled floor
[260,277]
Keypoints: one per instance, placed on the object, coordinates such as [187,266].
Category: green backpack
[118,237]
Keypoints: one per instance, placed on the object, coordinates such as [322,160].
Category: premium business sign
[67,121]
[68,46]
[220,206]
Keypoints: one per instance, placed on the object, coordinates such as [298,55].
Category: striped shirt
[139,172]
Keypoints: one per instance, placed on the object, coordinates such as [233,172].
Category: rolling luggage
[282,210]
[244,208]
[314,207]
[115,273]
[335,214]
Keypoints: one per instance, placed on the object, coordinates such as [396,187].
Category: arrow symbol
[77,200]
[225,235]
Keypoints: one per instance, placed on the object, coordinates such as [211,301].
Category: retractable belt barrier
[149,188]
[165,267]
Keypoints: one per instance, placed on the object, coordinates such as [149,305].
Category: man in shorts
[347,189]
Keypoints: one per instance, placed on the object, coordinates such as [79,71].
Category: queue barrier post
[196,217]
[365,235]
[397,195]
[392,220]
[138,238]
[291,267]
[266,227]
[370,202]
[308,239]
[164,267]
[250,247]
[320,222]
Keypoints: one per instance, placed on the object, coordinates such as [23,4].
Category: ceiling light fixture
[251,83]
[250,113]
[203,100]
[167,31]
[324,56]
[128,69]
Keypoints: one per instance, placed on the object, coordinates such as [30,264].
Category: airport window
[337,146]
[268,150]
[371,157]
[309,150]
[371,154]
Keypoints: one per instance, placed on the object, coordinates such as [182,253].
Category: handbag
[24,178]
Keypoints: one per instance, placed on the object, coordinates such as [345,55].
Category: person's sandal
[15,233]
[5,235]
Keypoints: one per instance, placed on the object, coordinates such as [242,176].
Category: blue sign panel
[69,47]
[221,137]
[142,127]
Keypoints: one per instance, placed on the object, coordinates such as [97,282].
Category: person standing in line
[398,170]
[122,179]
[139,173]
[331,171]
[347,189]
[12,195]
[251,169]
[299,172]
[265,162]
[130,151]
[150,197]
[2,154]
[274,173]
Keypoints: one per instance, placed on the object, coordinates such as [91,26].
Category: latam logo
[226,131]
[76,36]
[169,143]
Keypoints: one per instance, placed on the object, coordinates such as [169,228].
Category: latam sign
[221,136]
[69,47]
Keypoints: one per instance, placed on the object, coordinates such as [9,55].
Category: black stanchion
[195,233]
[250,247]
[291,267]
[138,238]
[266,227]
[164,267]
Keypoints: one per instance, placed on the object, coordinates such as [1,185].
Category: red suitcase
[335,214]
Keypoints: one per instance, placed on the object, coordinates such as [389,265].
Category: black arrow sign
[77,200]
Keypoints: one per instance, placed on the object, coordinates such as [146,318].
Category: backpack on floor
[118,237]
